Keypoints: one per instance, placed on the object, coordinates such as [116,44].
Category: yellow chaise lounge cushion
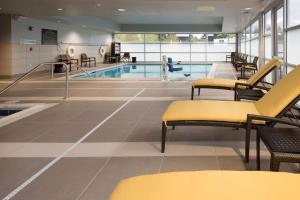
[209,110]
[210,185]
[226,83]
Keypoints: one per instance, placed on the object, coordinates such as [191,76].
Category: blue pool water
[149,71]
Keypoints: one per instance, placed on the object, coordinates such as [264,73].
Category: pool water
[149,71]
[7,112]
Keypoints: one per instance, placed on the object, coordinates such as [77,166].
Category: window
[198,38]
[219,44]
[174,37]
[293,39]
[255,39]
[138,38]
[248,37]
[152,38]
[293,17]
[133,43]
[152,47]
[243,42]
[179,46]
[255,30]
[279,33]
[267,35]
[268,23]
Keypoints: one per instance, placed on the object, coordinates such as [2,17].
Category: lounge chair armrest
[249,64]
[251,117]
[260,87]
[266,83]
[236,86]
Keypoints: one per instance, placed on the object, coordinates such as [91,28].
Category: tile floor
[125,144]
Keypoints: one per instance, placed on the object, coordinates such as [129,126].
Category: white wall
[83,39]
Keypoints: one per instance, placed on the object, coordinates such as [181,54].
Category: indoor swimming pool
[191,71]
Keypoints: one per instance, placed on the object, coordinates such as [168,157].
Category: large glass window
[279,33]
[174,37]
[268,23]
[152,38]
[293,17]
[179,46]
[255,39]
[293,39]
[152,47]
[267,35]
[218,45]
[138,38]
[248,37]
[243,42]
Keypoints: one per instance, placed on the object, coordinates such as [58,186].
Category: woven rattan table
[282,143]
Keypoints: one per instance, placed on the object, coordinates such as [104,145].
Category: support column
[5,46]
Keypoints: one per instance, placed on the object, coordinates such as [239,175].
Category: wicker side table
[282,143]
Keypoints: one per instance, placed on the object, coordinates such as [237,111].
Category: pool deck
[106,131]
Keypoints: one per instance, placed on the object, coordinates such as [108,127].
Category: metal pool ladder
[37,67]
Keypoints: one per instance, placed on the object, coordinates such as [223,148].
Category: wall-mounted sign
[49,37]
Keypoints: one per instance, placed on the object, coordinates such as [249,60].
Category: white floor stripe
[54,161]
[124,149]
[99,88]
[82,98]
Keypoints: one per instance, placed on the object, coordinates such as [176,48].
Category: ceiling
[229,14]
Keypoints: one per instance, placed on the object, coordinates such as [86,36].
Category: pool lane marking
[68,150]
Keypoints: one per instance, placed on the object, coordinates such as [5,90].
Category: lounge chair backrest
[255,60]
[281,95]
[64,57]
[263,71]
[126,55]
[83,56]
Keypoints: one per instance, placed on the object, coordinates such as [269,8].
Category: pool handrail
[34,69]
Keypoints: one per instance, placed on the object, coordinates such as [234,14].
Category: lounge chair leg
[192,93]
[235,95]
[198,91]
[274,164]
[257,151]
[247,143]
[173,127]
[163,137]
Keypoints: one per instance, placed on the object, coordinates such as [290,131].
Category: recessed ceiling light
[247,9]
[59,9]
[0,8]
[122,9]
[206,8]
[98,4]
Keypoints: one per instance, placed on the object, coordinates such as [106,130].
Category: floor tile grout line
[58,158]
[137,122]
[161,163]
[93,179]
[231,69]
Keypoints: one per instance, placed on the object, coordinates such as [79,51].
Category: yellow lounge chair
[229,84]
[280,99]
[209,185]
